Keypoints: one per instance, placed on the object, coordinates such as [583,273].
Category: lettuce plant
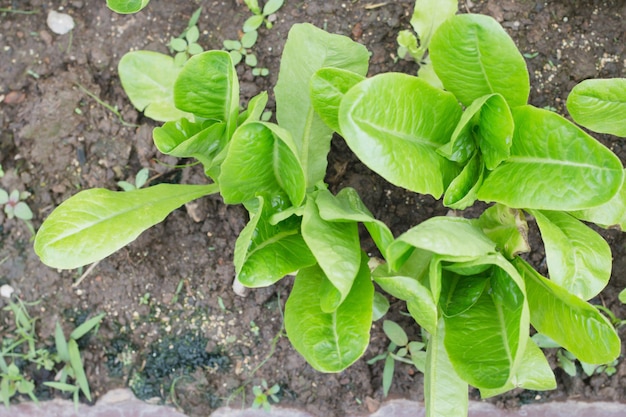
[463,280]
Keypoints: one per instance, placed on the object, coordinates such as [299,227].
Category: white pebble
[6,291]
[60,23]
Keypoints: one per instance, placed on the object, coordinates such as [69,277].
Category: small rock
[60,23]
[14,97]
[193,212]
[372,404]
[46,37]
[357,31]
[6,291]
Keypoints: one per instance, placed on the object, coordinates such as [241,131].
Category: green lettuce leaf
[578,258]
[265,253]
[93,224]
[337,248]
[554,165]
[208,88]
[600,105]
[474,56]
[261,161]
[330,342]
[568,320]
[307,50]
[151,92]
[394,123]
[445,393]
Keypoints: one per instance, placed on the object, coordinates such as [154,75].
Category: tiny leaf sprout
[263,394]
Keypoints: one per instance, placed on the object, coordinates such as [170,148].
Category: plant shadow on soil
[174,329]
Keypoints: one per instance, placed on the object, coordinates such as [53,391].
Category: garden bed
[168,296]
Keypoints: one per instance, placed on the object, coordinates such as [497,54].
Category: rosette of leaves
[470,135]
[276,171]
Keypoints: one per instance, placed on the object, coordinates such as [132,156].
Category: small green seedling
[14,206]
[622,296]
[144,299]
[401,350]
[13,382]
[186,44]
[20,346]
[264,15]
[254,328]
[140,180]
[240,50]
[263,394]
[263,72]
[69,355]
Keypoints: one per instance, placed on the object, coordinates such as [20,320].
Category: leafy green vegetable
[579,260]
[94,223]
[419,299]
[461,279]
[183,139]
[328,86]
[462,191]
[600,105]
[553,166]
[487,123]
[534,373]
[262,161]
[307,50]
[265,253]
[347,206]
[568,320]
[330,342]
[507,227]
[208,87]
[450,236]
[428,16]
[151,91]
[501,313]
[445,393]
[473,57]
[337,249]
[401,146]
[609,214]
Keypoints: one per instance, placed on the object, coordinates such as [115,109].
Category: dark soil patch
[171,289]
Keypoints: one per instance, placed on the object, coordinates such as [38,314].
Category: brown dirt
[174,282]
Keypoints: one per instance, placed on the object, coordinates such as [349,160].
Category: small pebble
[6,291]
[60,23]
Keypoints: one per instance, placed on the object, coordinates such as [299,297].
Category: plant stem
[17,11]
[106,105]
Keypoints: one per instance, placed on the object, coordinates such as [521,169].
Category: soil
[174,329]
